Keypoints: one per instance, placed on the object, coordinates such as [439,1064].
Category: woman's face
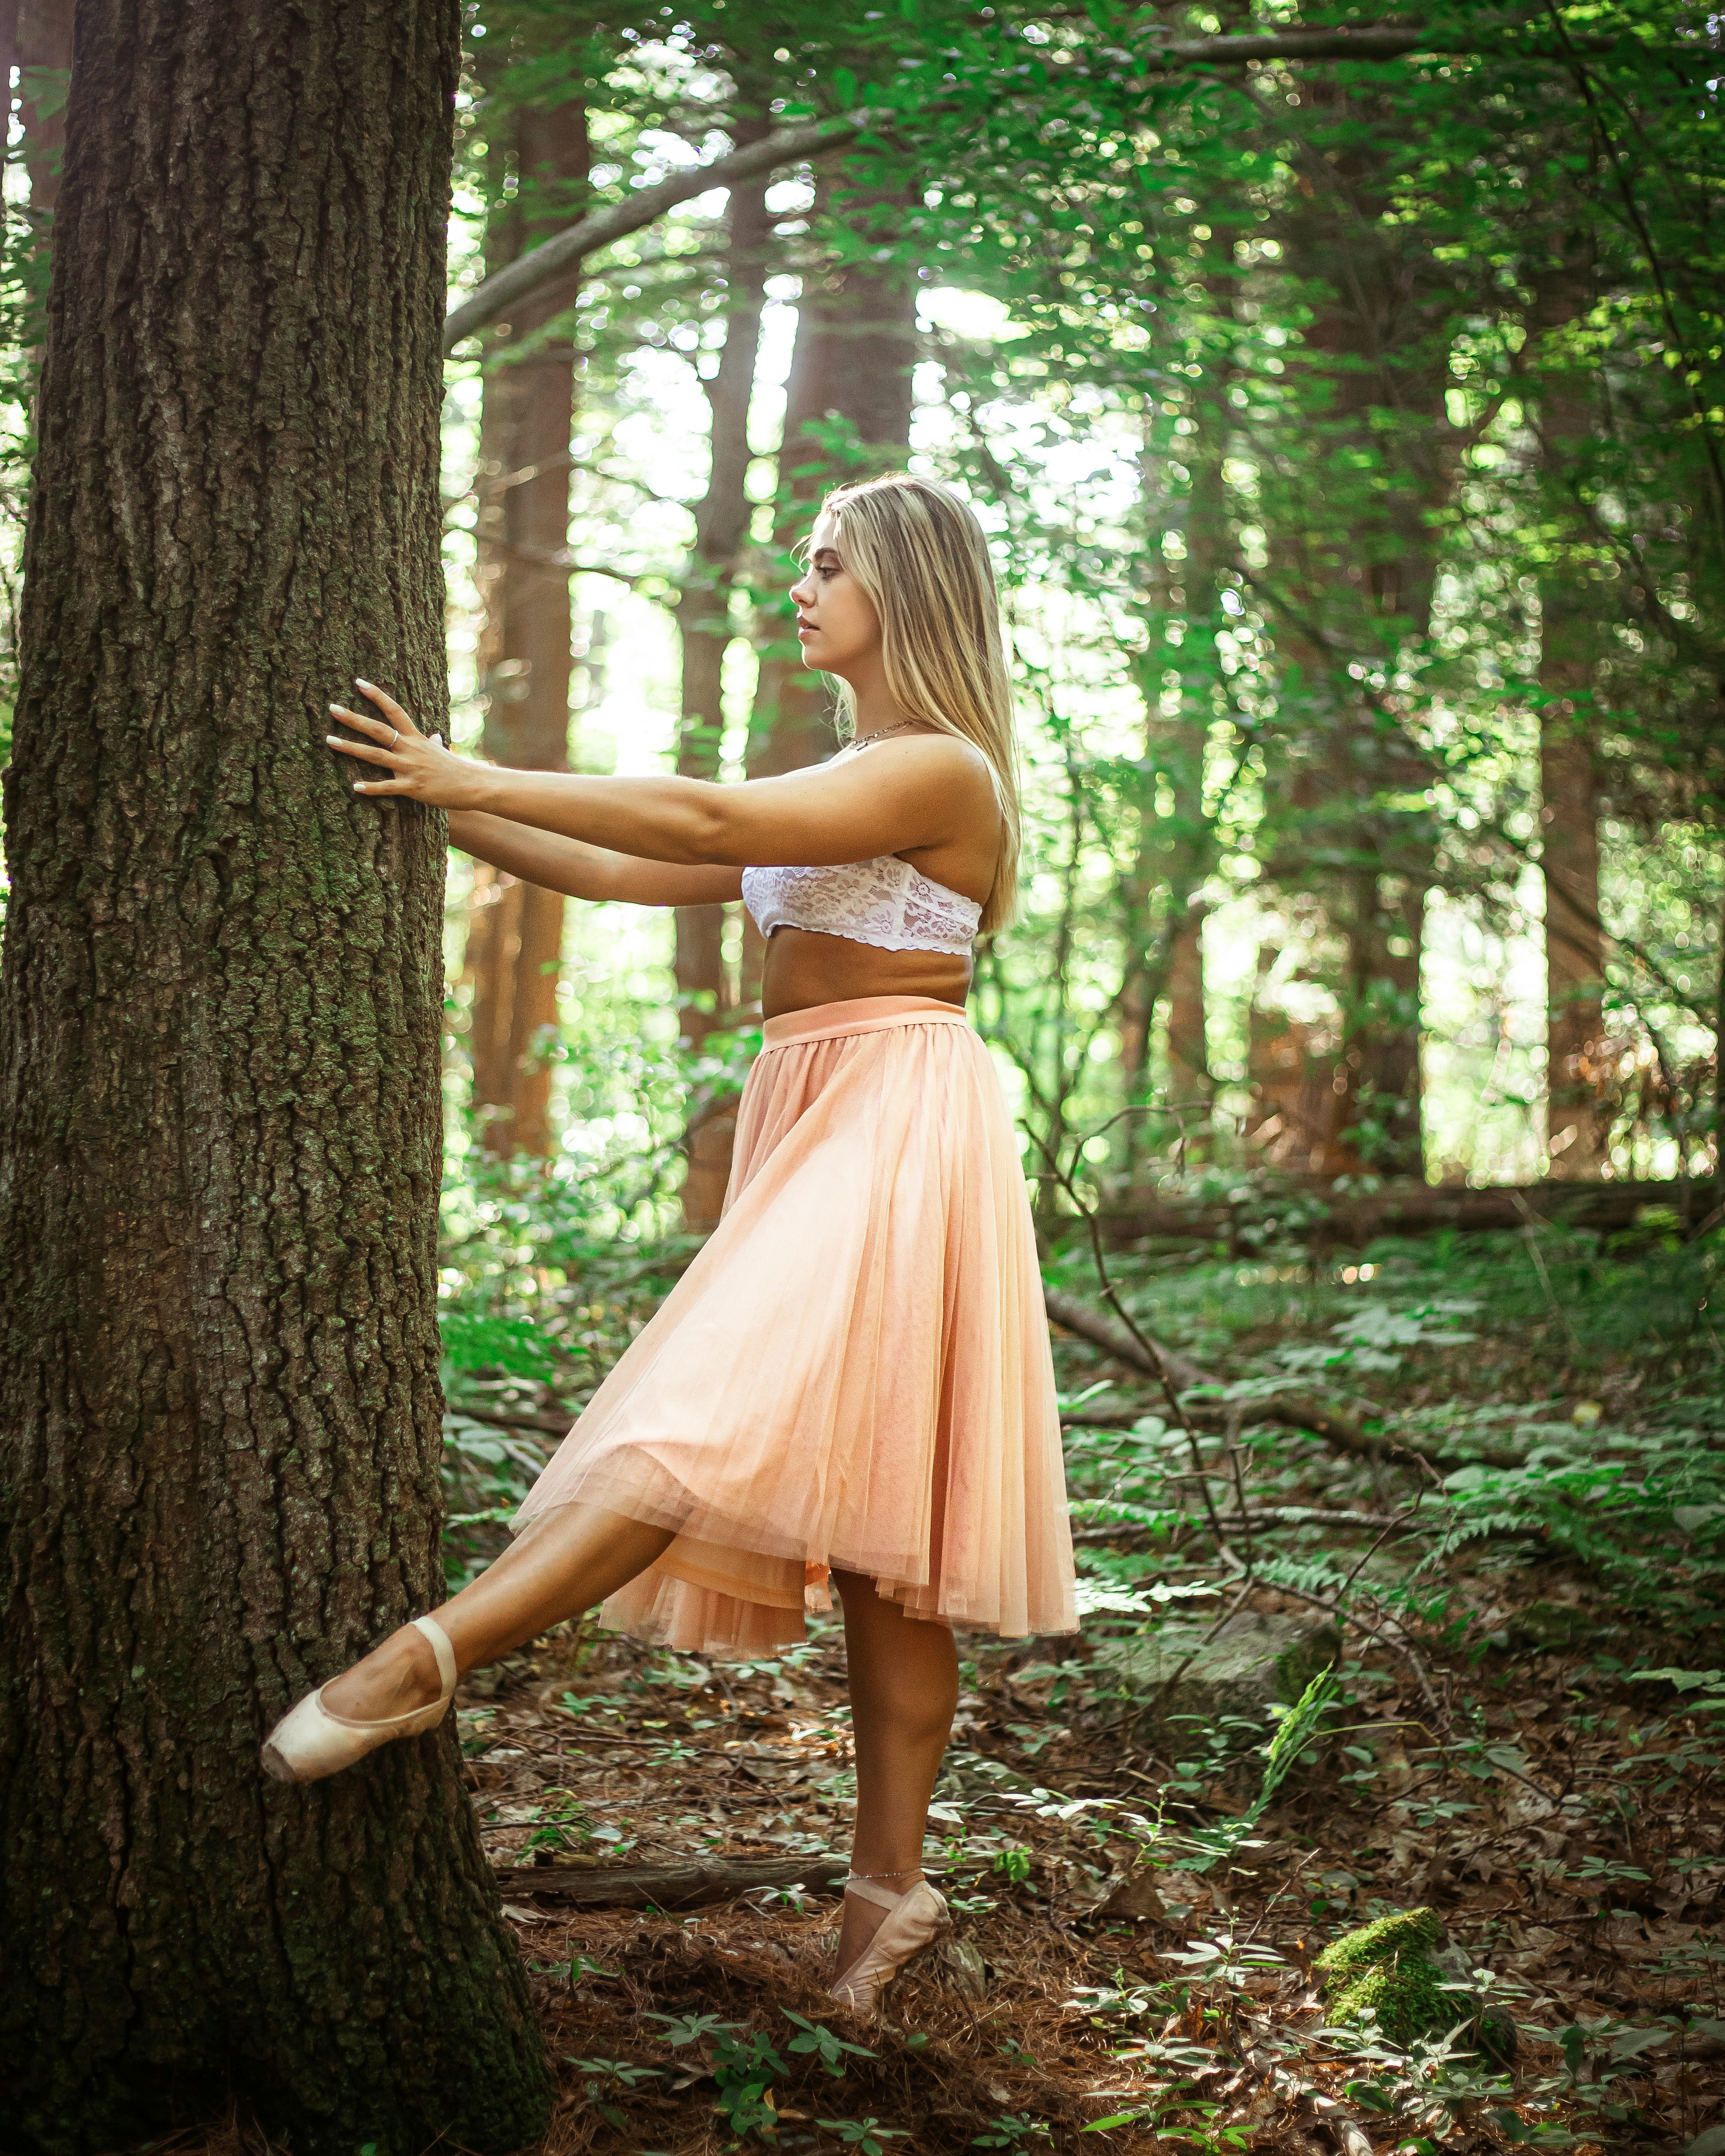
[837,625]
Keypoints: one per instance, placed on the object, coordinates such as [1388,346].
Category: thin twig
[1144,1342]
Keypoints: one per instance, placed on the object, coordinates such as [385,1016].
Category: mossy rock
[1404,1934]
[1552,1627]
[1252,1664]
[1393,1969]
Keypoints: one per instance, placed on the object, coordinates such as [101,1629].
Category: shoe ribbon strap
[446,1670]
[882,1895]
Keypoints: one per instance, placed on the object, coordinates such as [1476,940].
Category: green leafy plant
[745,2068]
[868,2135]
[599,2076]
[831,2050]
[1017,2131]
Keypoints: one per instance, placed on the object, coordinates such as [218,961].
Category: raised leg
[904,1687]
[563,1564]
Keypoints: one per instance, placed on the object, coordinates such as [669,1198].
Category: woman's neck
[873,705]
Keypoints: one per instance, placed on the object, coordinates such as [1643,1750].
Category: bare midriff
[805,968]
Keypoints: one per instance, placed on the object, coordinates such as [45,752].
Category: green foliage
[1385,376]
[474,1341]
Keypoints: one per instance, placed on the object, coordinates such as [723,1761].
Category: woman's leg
[564,1562]
[904,1686]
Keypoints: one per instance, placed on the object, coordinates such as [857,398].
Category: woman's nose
[802,591]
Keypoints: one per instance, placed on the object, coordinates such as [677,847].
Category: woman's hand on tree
[413,763]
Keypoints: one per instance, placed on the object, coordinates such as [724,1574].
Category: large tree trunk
[219,1113]
[516,932]
[1577,1123]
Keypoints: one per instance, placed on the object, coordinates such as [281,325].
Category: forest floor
[1524,1566]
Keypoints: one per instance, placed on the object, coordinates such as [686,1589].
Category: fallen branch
[1272,1515]
[1323,1218]
[1291,1410]
[594,1883]
[549,1426]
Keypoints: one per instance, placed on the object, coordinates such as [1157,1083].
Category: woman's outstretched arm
[922,792]
[584,871]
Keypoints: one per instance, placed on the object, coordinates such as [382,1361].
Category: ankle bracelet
[905,1871]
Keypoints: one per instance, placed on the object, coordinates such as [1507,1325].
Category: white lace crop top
[885,902]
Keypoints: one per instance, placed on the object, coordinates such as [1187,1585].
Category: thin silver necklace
[862,741]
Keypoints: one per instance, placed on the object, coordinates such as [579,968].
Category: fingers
[382,729]
[363,750]
[393,712]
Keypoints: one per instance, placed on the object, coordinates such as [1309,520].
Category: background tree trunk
[1578,1124]
[1173,849]
[516,932]
[1189,846]
[850,364]
[41,52]
[219,1113]
[8,53]
[721,530]
[1361,571]
[43,58]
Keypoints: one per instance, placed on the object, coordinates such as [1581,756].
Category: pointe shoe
[914,1919]
[310,1742]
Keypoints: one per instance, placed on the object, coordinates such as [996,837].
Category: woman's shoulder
[934,753]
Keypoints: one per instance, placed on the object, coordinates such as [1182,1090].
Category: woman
[854,1375]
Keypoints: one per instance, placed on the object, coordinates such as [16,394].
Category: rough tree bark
[219,1128]
[1577,1126]
[515,933]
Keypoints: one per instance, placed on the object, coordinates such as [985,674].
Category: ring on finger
[394,736]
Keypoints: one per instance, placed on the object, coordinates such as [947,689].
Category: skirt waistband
[861,1014]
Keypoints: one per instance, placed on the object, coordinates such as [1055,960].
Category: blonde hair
[919,554]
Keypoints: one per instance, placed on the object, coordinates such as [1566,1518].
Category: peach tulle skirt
[855,1372]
